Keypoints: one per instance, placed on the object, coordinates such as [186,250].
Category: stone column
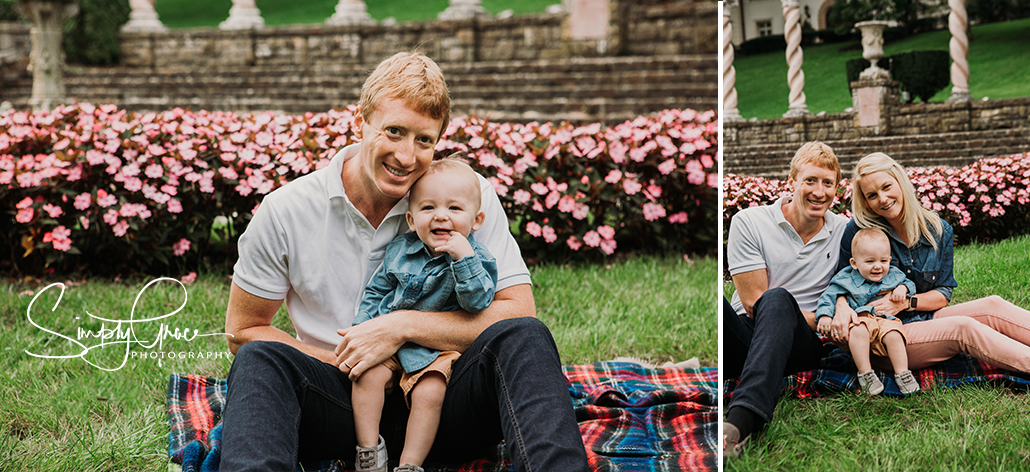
[873,101]
[244,14]
[47,58]
[351,12]
[959,46]
[462,9]
[729,74]
[143,18]
[795,76]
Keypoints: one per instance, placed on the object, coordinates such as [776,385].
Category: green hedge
[921,73]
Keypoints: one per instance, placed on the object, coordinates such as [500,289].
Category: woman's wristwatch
[912,303]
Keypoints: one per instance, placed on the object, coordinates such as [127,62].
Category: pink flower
[654,190]
[181,247]
[581,211]
[24,215]
[606,232]
[174,206]
[573,243]
[105,199]
[567,204]
[533,229]
[549,235]
[608,246]
[613,177]
[189,278]
[592,239]
[111,217]
[25,203]
[679,218]
[631,186]
[61,232]
[539,188]
[521,196]
[120,228]
[667,167]
[551,199]
[82,201]
[154,171]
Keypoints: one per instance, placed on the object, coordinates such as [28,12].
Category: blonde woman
[990,329]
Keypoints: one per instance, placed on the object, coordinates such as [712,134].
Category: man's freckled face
[397,147]
[814,190]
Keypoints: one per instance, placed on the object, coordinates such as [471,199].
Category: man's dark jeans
[762,350]
[284,406]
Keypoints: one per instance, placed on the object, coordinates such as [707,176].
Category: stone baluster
[959,46]
[244,14]
[47,58]
[351,12]
[729,74]
[143,17]
[795,76]
[463,9]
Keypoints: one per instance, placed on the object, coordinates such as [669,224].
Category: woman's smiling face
[882,195]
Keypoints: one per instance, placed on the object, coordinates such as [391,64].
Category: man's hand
[458,246]
[368,344]
[898,295]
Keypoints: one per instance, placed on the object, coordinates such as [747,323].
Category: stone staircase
[606,89]
[926,150]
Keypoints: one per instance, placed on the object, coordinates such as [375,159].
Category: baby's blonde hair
[868,235]
[461,171]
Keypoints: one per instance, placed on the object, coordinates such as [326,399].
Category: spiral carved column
[795,76]
[729,75]
[959,45]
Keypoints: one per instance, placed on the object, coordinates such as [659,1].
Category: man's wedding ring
[348,365]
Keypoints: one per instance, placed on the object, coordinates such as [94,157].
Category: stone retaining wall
[931,134]
[655,55]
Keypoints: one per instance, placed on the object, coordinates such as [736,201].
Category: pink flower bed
[983,201]
[89,185]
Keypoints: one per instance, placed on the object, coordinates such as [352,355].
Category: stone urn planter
[872,49]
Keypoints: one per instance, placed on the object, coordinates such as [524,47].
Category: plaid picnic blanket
[837,373]
[632,419]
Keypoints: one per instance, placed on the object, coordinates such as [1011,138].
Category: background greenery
[975,427]
[999,63]
[60,415]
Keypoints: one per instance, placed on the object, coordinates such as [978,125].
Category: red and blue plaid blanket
[837,373]
[632,419]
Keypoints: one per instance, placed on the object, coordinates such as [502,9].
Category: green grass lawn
[999,63]
[970,428]
[202,13]
[60,415]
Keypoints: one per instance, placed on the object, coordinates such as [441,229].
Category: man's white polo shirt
[761,238]
[308,244]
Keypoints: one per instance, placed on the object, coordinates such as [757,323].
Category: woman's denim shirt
[928,268]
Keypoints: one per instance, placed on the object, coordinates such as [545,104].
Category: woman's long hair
[917,221]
